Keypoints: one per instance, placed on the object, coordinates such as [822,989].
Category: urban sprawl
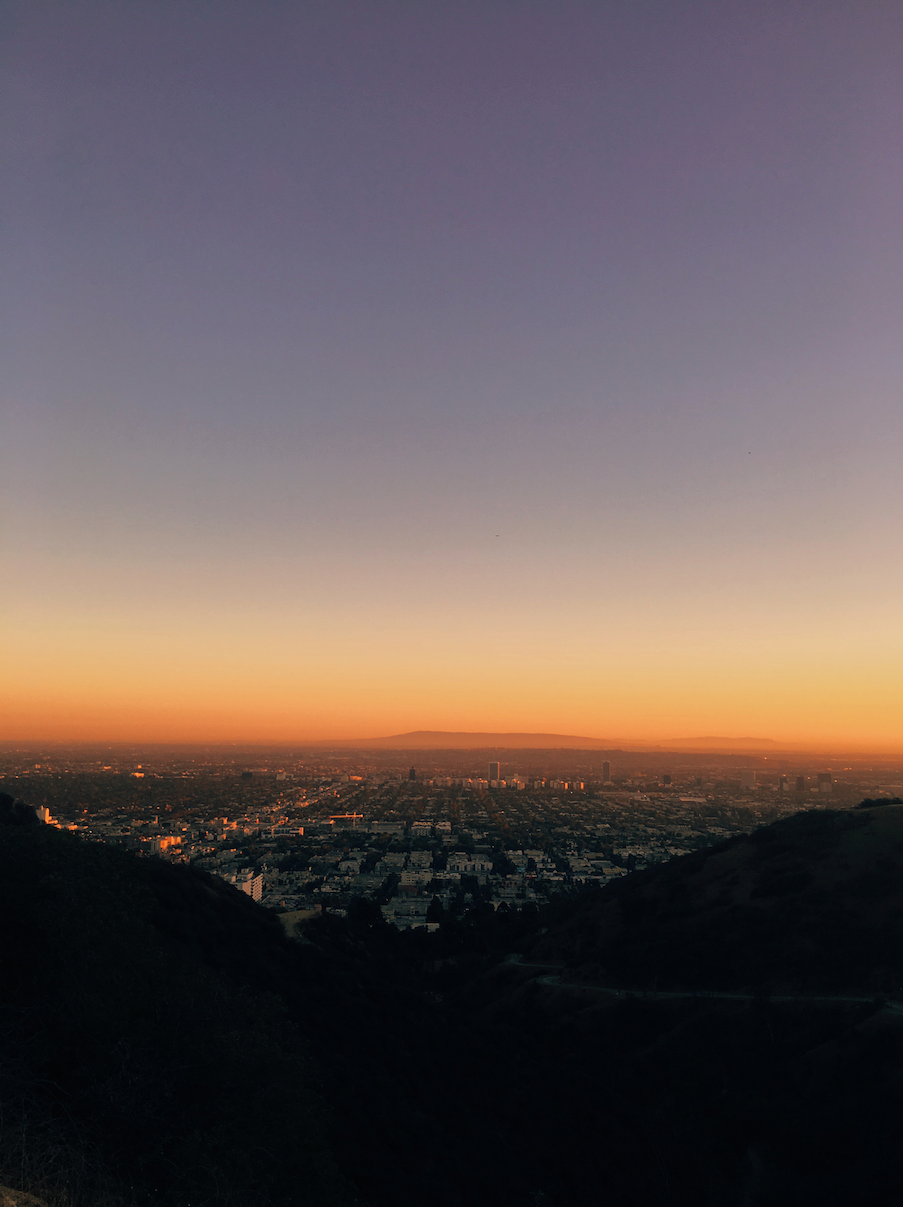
[304,833]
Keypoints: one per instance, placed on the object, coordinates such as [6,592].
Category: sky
[368,367]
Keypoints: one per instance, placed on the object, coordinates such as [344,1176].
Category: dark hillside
[139,1064]
[811,904]
[165,1044]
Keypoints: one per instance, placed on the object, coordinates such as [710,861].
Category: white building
[249,883]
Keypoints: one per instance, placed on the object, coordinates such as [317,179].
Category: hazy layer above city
[439,740]
[389,756]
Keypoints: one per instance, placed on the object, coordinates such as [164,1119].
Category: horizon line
[679,745]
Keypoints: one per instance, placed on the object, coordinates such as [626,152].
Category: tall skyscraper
[606,773]
[494,769]
[412,774]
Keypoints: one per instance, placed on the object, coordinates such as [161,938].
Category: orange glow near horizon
[423,379]
[266,680]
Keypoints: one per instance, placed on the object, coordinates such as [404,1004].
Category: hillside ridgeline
[810,905]
[164,1043]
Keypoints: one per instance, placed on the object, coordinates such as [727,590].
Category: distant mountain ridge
[441,739]
[438,739]
[719,743]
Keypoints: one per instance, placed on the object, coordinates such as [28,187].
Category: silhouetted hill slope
[484,1082]
[143,1062]
[152,1024]
[812,904]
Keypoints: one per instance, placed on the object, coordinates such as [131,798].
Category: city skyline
[370,369]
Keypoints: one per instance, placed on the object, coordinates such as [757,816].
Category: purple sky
[304,303]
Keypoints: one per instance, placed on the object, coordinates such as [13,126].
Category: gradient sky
[517,366]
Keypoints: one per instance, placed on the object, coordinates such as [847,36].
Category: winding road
[554,979]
